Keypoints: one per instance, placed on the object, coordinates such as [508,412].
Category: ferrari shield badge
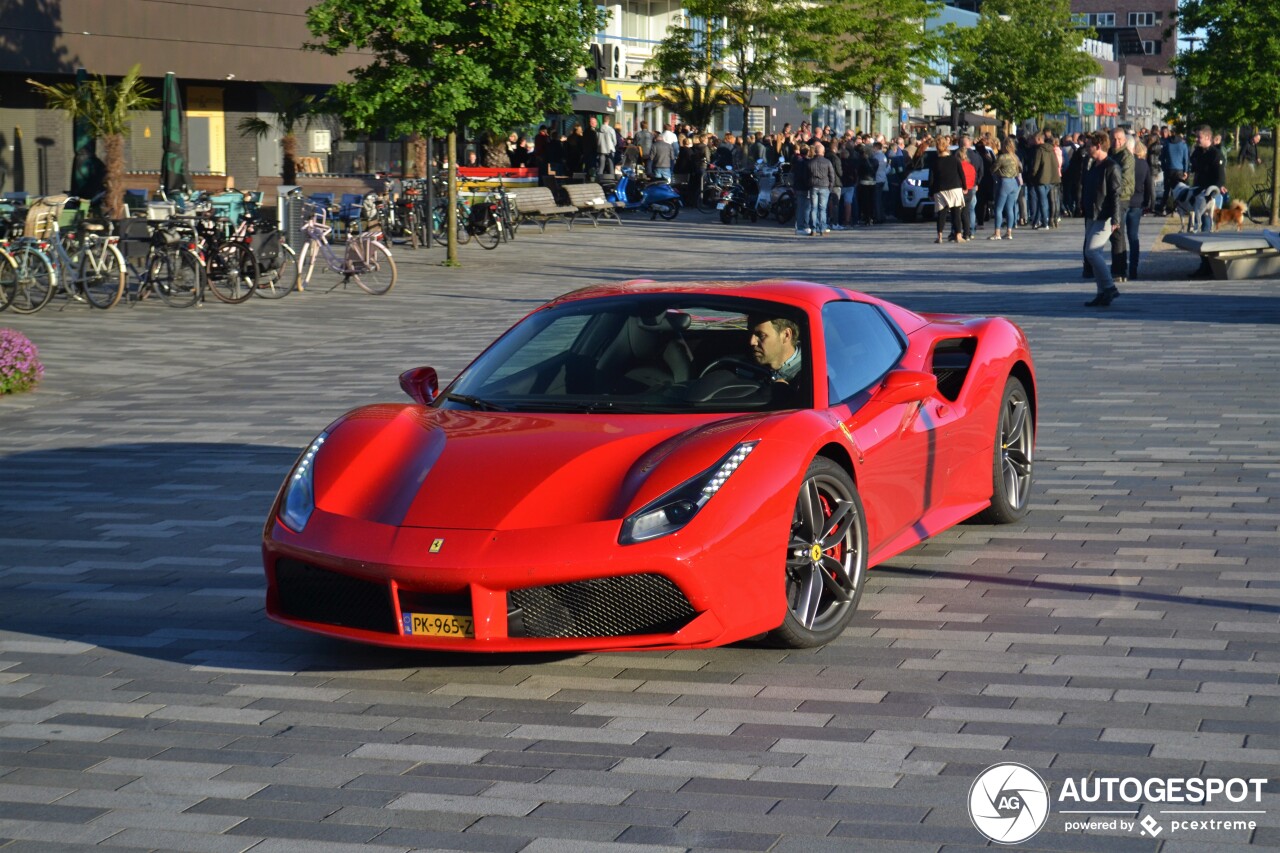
[436,545]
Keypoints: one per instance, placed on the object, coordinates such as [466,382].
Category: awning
[591,102]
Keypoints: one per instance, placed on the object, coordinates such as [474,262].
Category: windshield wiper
[475,403]
[584,406]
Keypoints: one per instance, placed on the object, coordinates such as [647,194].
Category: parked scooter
[656,197]
[737,199]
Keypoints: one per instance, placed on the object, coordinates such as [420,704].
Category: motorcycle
[658,197]
[773,196]
[734,199]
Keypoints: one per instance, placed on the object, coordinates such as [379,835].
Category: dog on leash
[1192,205]
[1233,212]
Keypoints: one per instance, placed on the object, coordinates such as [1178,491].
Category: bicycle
[491,220]
[85,263]
[170,266]
[230,268]
[440,221]
[1260,203]
[366,260]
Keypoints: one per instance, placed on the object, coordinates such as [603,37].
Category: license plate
[720,206]
[439,625]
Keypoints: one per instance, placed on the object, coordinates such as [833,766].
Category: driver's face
[770,347]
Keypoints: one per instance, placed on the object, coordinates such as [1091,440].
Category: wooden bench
[537,204]
[1232,256]
[590,200]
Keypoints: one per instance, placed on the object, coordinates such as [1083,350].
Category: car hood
[415,466]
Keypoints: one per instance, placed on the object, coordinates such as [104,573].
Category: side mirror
[907,386]
[421,383]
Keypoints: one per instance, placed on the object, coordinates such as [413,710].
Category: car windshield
[651,353]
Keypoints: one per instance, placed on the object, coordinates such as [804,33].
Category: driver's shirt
[789,370]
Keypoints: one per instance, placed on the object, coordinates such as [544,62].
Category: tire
[491,236]
[278,282]
[304,264]
[784,209]
[822,594]
[378,274]
[667,210]
[175,275]
[8,278]
[411,229]
[1012,464]
[729,214]
[441,231]
[708,198]
[232,276]
[1260,207]
[36,281]
[104,286]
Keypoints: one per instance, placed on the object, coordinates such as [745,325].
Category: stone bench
[1232,256]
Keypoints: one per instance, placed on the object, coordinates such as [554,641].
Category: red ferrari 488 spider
[650,465]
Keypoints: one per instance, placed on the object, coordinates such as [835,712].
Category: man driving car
[775,344]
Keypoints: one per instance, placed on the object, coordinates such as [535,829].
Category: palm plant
[292,111]
[695,103]
[105,108]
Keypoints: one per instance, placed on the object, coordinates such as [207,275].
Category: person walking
[1143,197]
[1249,152]
[1098,197]
[1007,172]
[1043,165]
[946,186]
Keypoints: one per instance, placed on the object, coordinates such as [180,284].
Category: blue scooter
[658,197]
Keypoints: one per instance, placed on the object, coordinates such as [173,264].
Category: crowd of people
[841,180]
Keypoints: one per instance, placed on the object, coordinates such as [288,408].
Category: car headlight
[673,510]
[913,182]
[299,494]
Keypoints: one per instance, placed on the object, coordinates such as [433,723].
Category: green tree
[1024,59]
[695,103]
[106,108]
[738,46]
[1232,76]
[291,110]
[488,64]
[877,49]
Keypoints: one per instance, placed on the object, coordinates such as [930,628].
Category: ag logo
[1008,803]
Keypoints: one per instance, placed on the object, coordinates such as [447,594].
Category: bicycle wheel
[102,278]
[36,280]
[175,276]
[375,274]
[278,281]
[411,228]
[1260,207]
[233,272]
[441,224]
[8,278]
[491,236]
[305,263]
[708,197]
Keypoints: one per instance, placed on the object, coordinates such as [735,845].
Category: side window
[550,341]
[862,346]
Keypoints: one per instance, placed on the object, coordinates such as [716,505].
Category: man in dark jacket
[1098,202]
[800,184]
[1209,167]
[1122,154]
[833,201]
[1043,165]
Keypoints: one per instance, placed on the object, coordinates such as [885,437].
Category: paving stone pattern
[1128,627]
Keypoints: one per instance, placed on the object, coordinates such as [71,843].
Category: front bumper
[549,589]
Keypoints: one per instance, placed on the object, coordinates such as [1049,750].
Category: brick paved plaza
[1128,628]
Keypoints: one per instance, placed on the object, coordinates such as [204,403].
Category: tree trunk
[289,159]
[1275,175]
[495,151]
[419,155]
[113,203]
[451,209]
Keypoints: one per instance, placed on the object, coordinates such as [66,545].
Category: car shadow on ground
[153,550]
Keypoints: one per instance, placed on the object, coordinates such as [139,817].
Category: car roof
[804,294]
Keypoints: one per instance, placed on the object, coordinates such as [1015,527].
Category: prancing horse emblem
[436,545]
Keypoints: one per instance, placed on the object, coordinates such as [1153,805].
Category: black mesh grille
[317,595]
[603,607]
